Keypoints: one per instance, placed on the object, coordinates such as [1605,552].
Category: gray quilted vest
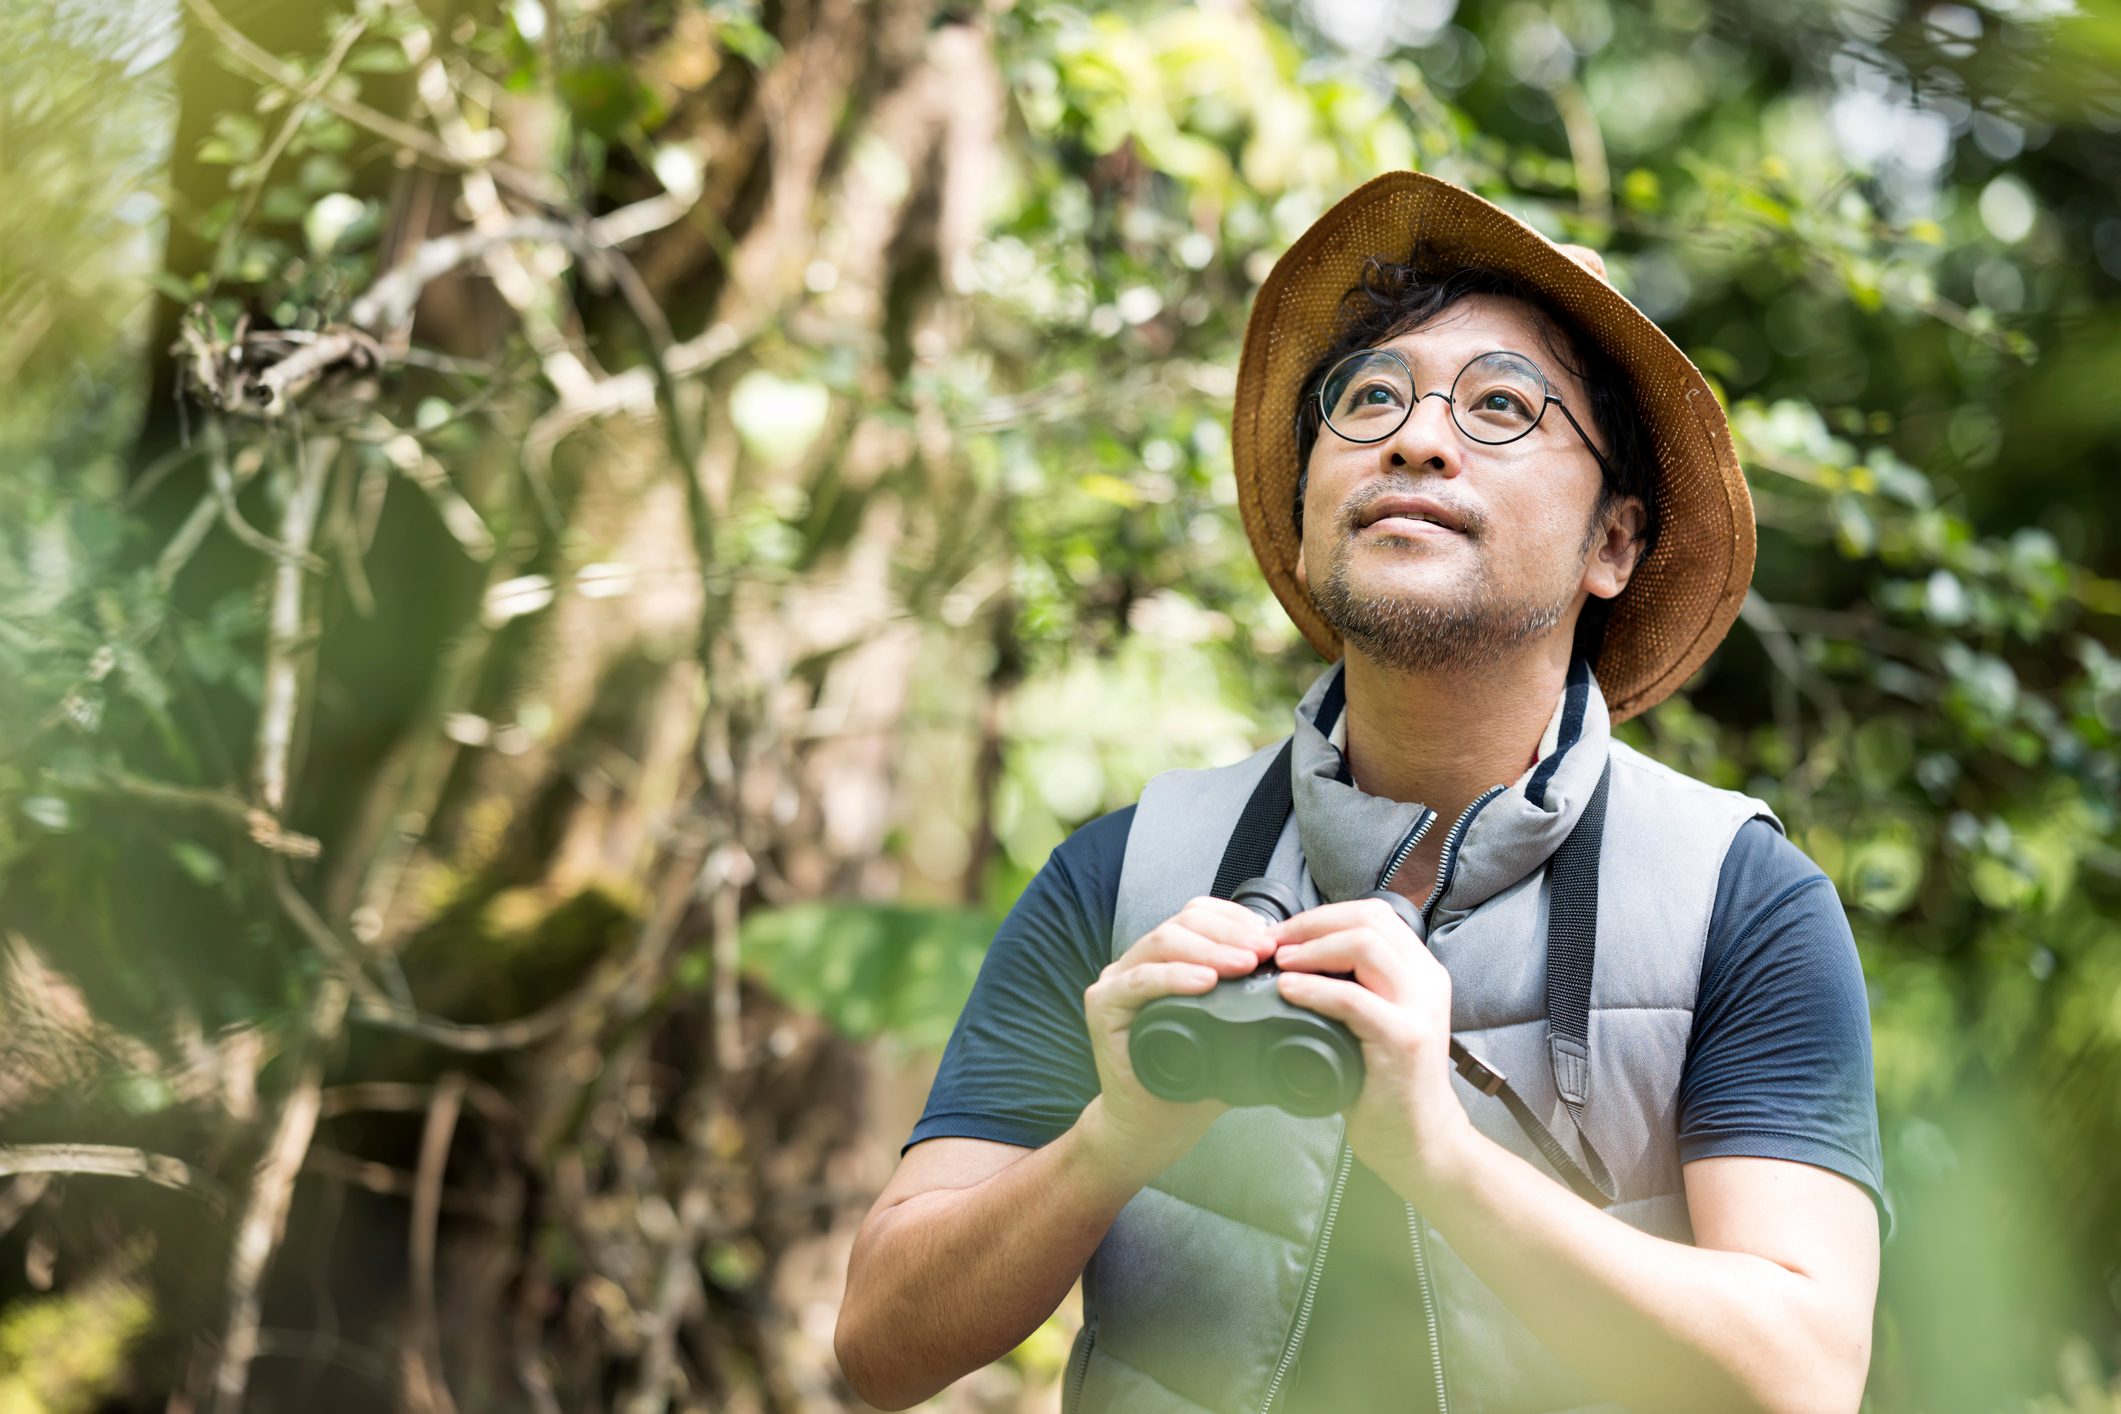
[1198,1296]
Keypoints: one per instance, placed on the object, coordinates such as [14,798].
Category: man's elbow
[1839,1382]
[1825,1376]
[1824,1391]
[853,1348]
[848,1349]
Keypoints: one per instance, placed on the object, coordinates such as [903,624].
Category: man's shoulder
[1097,848]
[1764,863]
[1771,894]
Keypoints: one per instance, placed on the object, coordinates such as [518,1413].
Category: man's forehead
[1477,324]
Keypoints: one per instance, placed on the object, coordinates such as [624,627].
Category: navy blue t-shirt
[1778,1065]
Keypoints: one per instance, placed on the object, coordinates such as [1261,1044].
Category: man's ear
[1616,544]
[1302,582]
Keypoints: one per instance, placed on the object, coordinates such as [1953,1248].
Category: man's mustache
[1462,517]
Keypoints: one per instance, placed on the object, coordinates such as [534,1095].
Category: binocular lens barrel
[1307,1076]
[1170,1060]
[1270,898]
[1241,1043]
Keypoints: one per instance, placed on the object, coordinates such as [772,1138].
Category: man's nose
[1428,437]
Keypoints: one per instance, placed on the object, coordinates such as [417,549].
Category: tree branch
[617,989]
[264,1217]
[221,478]
[429,1384]
[112,1161]
[536,186]
[349,33]
[284,625]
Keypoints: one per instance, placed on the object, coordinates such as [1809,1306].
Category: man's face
[1516,551]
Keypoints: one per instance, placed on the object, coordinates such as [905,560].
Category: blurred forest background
[562,561]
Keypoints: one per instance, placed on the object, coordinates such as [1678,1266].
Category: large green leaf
[868,968]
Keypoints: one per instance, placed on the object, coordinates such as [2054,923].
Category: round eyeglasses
[1498,397]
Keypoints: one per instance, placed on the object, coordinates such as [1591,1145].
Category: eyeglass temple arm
[1603,465]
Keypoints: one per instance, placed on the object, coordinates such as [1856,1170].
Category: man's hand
[1207,940]
[1406,1122]
[974,1243]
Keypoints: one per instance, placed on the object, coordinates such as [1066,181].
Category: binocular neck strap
[1572,951]
[1260,825]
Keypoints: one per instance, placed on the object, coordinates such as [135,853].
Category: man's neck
[1443,738]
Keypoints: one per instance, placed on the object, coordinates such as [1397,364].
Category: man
[1490,488]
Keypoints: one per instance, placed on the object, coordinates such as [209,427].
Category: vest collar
[1350,839]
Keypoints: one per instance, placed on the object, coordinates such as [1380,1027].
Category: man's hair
[1394,296]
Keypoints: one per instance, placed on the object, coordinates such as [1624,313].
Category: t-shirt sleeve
[1779,1065]
[1018,1067]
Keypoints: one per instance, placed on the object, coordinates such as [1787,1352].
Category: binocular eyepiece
[1241,1043]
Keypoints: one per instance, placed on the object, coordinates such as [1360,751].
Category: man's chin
[1368,609]
[1417,582]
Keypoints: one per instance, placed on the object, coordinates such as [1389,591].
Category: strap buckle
[1485,1078]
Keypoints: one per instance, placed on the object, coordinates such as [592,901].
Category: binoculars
[1241,1043]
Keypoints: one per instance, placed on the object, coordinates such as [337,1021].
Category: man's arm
[973,1243]
[969,1247]
[1771,1310]
[1778,1135]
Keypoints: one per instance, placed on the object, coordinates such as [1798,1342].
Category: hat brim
[1681,599]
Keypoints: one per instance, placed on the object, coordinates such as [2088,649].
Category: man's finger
[1228,907]
[1132,988]
[1332,917]
[1358,1008]
[1242,929]
[1181,944]
[1377,964]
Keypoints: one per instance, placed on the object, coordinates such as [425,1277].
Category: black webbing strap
[1598,1190]
[1259,827]
[1572,953]
[1572,929]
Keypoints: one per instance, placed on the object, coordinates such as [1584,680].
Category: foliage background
[494,825]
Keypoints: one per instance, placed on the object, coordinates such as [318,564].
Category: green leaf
[869,968]
[236,138]
[283,203]
[322,172]
[382,58]
[200,863]
[609,101]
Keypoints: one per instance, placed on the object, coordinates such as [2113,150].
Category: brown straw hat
[1682,598]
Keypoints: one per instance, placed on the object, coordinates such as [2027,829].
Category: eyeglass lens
[1498,397]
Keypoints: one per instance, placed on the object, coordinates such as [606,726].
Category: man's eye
[1383,394]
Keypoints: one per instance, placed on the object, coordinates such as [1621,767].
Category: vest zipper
[1428,1308]
[1318,1269]
[1421,1254]
[1406,846]
[1449,856]
[1081,1372]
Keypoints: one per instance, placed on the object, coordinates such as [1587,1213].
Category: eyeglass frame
[1547,384]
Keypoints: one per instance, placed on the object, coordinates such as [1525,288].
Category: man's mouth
[1410,516]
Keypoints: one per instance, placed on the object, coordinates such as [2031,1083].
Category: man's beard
[1475,629]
